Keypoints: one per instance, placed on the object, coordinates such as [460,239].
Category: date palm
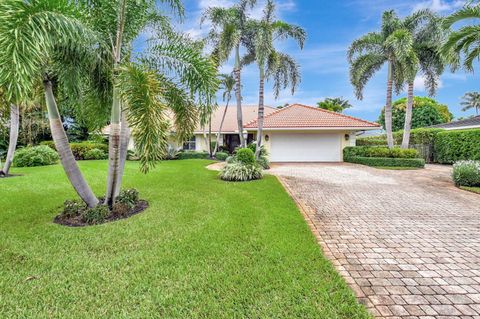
[263,35]
[37,40]
[471,100]
[227,84]
[392,45]
[227,36]
[465,41]
[426,29]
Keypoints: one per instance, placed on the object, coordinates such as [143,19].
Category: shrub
[253,147]
[263,162]
[132,155]
[245,156]
[95,215]
[35,156]
[73,208]
[221,156]
[231,159]
[387,161]
[80,149]
[128,197]
[452,146]
[240,172]
[378,151]
[466,173]
[95,154]
[193,155]
[120,209]
[172,153]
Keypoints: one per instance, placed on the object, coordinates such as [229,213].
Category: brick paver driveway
[408,242]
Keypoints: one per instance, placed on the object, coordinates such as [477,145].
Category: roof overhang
[335,128]
[461,127]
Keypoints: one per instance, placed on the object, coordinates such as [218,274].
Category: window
[189,145]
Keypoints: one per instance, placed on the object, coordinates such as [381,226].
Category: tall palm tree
[471,100]
[464,41]
[392,45]
[228,35]
[227,84]
[427,34]
[282,68]
[12,140]
[37,39]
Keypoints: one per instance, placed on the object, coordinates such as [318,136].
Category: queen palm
[392,45]
[427,33]
[471,100]
[227,84]
[465,41]
[227,35]
[272,64]
[12,140]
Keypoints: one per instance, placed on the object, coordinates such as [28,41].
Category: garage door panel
[288,147]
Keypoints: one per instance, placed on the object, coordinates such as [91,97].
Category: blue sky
[331,26]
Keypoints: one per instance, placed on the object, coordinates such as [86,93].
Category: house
[470,123]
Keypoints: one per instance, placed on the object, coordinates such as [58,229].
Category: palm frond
[284,71]
[371,42]
[362,69]
[468,12]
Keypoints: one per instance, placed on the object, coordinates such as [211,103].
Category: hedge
[417,136]
[388,162]
[193,155]
[80,149]
[35,156]
[452,146]
[378,151]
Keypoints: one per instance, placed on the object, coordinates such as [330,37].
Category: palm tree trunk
[388,106]
[408,117]
[220,128]
[114,140]
[12,143]
[261,111]
[124,141]
[63,148]
[238,95]
[210,150]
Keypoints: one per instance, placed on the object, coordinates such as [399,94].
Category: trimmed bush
[72,208]
[466,173]
[221,156]
[35,156]
[453,146]
[378,151]
[129,197]
[245,156]
[387,161]
[80,149]
[95,154]
[239,172]
[95,215]
[193,155]
[417,136]
[263,162]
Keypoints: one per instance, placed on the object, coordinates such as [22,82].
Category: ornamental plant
[466,173]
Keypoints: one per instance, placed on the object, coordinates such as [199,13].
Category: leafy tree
[426,112]
[227,36]
[336,104]
[392,45]
[261,37]
[466,40]
[227,84]
[471,100]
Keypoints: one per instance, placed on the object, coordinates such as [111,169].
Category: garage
[305,147]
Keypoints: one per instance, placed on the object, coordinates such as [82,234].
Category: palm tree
[272,64]
[471,100]
[227,84]
[427,32]
[37,39]
[227,36]
[337,104]
[464,41]
[13,138]
[393,45]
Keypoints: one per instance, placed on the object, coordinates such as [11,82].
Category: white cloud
[419,83]
[439,5]
[203,4]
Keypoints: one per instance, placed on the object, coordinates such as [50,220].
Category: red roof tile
[303,116]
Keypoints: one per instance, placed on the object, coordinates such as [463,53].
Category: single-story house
[466,124]
[295,133]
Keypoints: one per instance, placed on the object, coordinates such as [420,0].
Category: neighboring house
[470,123]
[296,133]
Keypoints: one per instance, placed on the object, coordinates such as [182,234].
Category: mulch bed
[78,222]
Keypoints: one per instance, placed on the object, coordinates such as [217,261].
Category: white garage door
[319,147]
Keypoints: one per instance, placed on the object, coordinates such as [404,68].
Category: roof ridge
[268,115]
[336,113]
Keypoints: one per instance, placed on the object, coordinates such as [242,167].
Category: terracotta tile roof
[303,116]
[249,113]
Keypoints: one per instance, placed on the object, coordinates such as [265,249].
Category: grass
[471,189]
[204,249]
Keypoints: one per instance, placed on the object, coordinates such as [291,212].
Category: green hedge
[387,162]
[378,151]
[35,156]
[80,149]
[452,146]
[417,136]
[193,155]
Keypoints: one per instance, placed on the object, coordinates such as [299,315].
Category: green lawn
[471,189]
[204,249]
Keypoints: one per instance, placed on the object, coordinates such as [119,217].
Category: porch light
[347,137]
[267,137]
[245,135]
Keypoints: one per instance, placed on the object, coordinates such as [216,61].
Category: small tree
[337,104]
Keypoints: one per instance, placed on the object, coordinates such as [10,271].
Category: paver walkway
[407,242]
